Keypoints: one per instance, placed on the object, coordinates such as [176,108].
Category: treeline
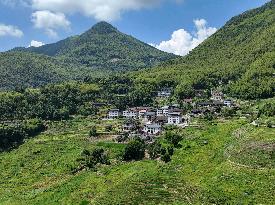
[59,101]
[13,133]
[52,102]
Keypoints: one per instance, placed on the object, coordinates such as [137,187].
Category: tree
[154,150]
[135,150]
[209,116]
[89,159]
[170,150]
[173,138]
[87,109]
[166,158]
[93,132]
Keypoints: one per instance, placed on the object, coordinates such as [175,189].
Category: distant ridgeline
[99,51]
[240,58]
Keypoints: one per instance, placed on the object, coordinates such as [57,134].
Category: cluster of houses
[214,105]
[152,120]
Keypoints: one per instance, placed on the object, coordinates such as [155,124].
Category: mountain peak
[103,28]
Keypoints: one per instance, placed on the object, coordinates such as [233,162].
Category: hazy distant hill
[240,57]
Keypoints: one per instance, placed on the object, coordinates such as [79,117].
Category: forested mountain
[99,50]
[22,69]
[240,57]
[104,47]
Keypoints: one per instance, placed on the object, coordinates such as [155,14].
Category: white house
[159,112]
[130,113]
[174,118]
[113,113]
[163,111]
[152,129]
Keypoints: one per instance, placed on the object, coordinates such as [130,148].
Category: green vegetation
[53,102]
[41,170]
[104,47]
[135,150]
[99,51]
[19,70]
[78,158]
[239,58]
[91,159]
[14,133]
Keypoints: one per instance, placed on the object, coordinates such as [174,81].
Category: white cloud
[9,30]
[107,10]
[182,42]
[50,22]
[14,3]
[36,44]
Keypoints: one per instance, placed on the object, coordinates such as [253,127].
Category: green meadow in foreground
[229,162]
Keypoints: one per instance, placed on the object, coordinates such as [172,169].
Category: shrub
[173,138]
[93,132]
[267,109]
[91,159]
[209,117]
[154,150]
[135,150]
[170,151]
[166,158]
[228,112]
[162,151]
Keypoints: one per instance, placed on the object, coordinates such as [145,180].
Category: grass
[208,169]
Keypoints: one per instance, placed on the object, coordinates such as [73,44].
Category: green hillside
[240,57]
[104,47]
[102,50]
[23,69]
[221,171]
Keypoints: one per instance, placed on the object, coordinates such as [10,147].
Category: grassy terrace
[227,163]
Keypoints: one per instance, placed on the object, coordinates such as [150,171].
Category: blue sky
[152,21]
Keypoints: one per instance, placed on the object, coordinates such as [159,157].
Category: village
[149,122]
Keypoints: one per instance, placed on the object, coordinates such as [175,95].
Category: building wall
[174,120]
[113,114]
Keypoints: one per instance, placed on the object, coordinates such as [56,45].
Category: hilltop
[102,50]
[104,47]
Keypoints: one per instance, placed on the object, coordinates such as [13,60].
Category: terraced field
[214,166]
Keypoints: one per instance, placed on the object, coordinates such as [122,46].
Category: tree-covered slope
[23,69]
[104,47]
[101,50]
[240,57]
